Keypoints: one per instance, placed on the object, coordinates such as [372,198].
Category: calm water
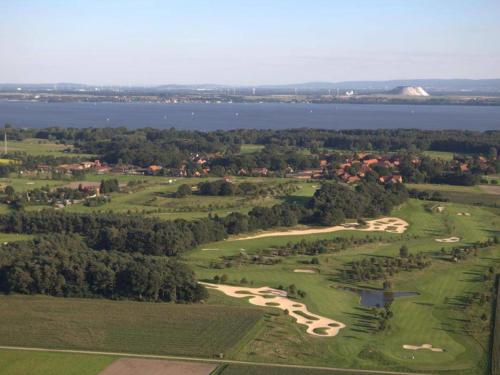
[378,298]
[230,116]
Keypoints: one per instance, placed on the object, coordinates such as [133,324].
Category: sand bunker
[304,271]
[440,208]
[463,214]
[316,325]
[448,240]
[209,249]
[424,346]
[386,224]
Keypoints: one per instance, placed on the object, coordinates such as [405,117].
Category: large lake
[231,116]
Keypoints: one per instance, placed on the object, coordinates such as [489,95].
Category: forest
[63,265]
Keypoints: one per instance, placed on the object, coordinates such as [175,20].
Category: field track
[194,359]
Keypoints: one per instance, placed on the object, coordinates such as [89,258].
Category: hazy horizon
[246,43]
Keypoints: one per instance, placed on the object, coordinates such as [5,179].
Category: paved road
[194,359]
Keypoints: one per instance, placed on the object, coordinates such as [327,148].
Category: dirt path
[317,325]
[207,360]
[385,224]
[134,366]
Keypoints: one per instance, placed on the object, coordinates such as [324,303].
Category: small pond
[378,298]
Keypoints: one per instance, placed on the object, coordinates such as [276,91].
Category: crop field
[258,370]
[124,326]
[16,362]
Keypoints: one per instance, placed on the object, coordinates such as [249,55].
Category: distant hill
[430,85]
[409,91]
[439,85]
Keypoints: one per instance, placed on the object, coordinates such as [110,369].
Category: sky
[246,42]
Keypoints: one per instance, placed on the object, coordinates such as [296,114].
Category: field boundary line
[209,360]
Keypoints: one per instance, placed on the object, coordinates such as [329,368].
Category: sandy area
[385,224]
[448,240]
[270,297]
[424,346]
[304,271]
[440,208]
[463,214]
[209,249]
[135,366]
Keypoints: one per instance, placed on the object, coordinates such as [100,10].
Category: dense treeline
[63,265]
[122,233]
[333,202]
[171,147]
[227,188]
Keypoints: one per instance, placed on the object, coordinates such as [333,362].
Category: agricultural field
[124,326]
[17,362]
[268,370]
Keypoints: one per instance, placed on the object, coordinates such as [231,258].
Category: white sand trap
[463,214]
[424,346]
[448,240]
[440,208]
[299,270]
[209,249]
[386,224]
[278,298]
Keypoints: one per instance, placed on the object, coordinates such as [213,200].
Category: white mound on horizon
[409,91]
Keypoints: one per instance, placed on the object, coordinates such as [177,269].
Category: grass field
[251,148]
[434,316]
[475,195]
[437,315]
[154,196]
[32,146]
[124,326]
[495,348]
[14,362]
[444,155]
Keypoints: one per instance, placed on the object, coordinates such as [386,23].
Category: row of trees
[63,265]
[171,147]
[334,202]
[331,204]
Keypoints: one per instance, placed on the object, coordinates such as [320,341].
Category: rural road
[209,360]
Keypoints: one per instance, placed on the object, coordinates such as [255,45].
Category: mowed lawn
[434,316]
[123,326]
[17,362]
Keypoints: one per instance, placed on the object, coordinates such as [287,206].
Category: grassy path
[195,359]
